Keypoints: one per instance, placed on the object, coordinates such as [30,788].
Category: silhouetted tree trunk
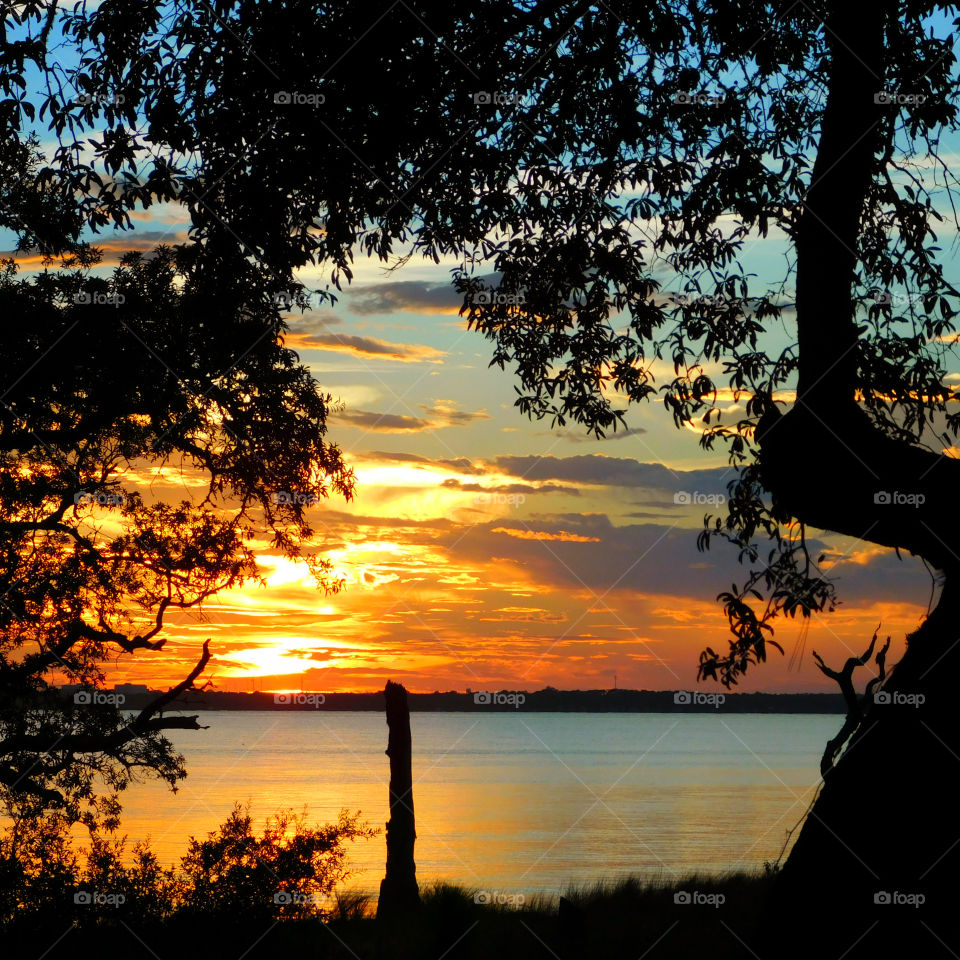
[883,832]
[398,889]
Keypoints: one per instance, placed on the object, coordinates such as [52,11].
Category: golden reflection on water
[517,802]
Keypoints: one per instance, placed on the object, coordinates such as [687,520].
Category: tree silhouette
[592,158]
[111,385]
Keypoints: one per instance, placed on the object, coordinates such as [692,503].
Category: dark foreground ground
[715,917]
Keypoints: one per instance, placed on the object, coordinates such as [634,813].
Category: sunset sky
[487,551]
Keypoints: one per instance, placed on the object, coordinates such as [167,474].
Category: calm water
[521,802]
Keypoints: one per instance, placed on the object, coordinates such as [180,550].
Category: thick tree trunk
[874,868]
[399,892]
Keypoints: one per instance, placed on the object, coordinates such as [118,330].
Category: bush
[288,870]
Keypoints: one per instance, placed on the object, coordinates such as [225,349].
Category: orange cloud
[112,248]
[523,615]
[563,535]
[364,347]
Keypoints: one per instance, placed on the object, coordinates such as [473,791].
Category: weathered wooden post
[399,892]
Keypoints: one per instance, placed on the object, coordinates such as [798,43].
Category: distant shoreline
[503,701]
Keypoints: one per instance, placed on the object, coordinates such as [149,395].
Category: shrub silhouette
[289,869]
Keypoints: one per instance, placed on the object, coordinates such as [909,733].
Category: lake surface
[512,802]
